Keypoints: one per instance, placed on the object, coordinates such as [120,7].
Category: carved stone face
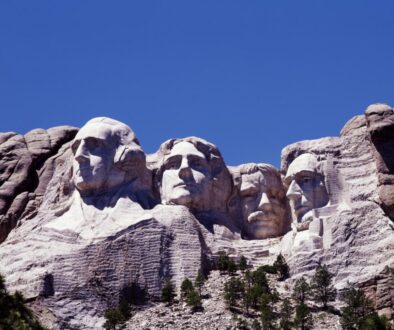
[94,149]
[262,200]
[186,177]
[306,190]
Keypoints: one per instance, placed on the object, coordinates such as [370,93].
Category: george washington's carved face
[106,155]
[263,205]
[306,190]
[94,150]
[186,177]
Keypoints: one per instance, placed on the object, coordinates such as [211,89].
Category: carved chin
[180,196]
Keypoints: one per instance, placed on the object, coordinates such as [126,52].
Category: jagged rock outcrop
[87,216]
[25,170]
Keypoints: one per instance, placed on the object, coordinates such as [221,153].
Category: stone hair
[266,169]
[210,151]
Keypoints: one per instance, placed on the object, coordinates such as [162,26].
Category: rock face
[87,217]
[380,124]
[26,166]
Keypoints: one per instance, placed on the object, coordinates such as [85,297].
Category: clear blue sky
[250,76]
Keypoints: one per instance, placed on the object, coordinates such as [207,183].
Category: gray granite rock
[22,159]
[83,219]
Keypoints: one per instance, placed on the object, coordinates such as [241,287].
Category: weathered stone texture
[23,169]
[82,220]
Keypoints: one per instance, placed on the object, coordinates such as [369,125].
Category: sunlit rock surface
[86,215]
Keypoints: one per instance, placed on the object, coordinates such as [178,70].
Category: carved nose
[81,155]
[264,202]
[294,191]
[184,169]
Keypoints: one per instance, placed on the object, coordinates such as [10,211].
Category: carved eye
[196,163]
[306,180]
[92,143]
[171,164]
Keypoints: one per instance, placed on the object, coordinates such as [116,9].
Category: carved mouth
[260,216]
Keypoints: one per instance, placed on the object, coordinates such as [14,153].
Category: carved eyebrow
[171,159]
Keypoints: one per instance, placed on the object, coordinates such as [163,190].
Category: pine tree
[256,285]
[359,313]
[231,267]
[113,317]
[281,267]
[233,291]
[223,262]
[285,314]
[247,296]
[14,314]
[199,281]
[193,300]
[256,325]
[243,264]
[168,292]
[186,287]
[303,317]
[322,289]
[268,315]
[301,291]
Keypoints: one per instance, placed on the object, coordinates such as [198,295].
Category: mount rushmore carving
[85,213]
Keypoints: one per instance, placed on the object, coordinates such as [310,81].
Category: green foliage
[13,312]
[168,292]
[193,300]
[256,284]
[376,322]
[359,313]
[281,267]
[223,262]
[233,291]
[285,315]
[186,287]
[301,291]
[269,269]
[243,264]
[322,288]
[260,279]
[268,315]
[240,324]
[303,317]
[256,325]
[199,281]
[113,317]
[231,267]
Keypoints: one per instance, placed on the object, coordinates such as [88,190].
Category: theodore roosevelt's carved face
[186,177]
[263,204]
[306,190]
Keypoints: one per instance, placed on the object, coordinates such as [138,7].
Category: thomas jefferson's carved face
[263,205]
[306,190]
[94,149]
[186,177]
